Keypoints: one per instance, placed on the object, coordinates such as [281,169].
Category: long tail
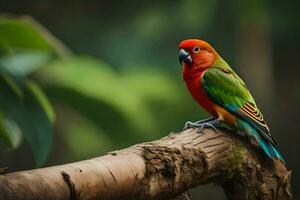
[269,149]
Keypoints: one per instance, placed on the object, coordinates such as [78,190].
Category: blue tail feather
[279,156]
[265,144]
[269,149]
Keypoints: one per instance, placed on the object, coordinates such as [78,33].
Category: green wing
[226,89]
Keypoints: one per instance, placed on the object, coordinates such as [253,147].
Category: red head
[196,55]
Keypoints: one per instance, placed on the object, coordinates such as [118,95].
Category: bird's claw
[195,124]
[188,125]
[206,125]
[199,126]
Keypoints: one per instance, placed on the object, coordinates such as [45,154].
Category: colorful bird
[222,93]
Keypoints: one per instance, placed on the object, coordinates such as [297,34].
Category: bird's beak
[184,57]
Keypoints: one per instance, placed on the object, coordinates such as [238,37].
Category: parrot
[216,87]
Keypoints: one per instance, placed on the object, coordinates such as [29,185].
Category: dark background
[259,39]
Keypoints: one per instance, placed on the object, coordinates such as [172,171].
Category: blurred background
[81,78]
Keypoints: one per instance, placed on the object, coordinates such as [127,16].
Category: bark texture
[160,169]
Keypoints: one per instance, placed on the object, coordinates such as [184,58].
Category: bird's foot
[195,124]
[200,126]
[205,125]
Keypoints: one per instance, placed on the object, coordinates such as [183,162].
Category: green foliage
[99,109]
[21,34]
[124,107]
[11,95]
[24,109]
[36,121]
[23,62]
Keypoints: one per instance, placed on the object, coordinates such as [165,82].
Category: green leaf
[25,109]
[10,106]
[15,33]
[14,88]
[10,132]
[23,62]
[96,80]
[26,33]
[25,45]
[42,100]
[36,122]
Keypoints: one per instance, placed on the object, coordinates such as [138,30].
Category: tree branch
[160,169]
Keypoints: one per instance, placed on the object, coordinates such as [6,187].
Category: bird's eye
[196,49]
